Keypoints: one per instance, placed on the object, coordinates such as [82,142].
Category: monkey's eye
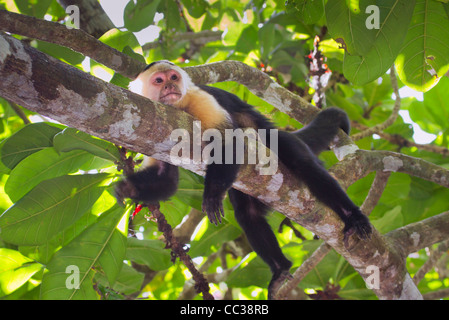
[174,77]
[158,80]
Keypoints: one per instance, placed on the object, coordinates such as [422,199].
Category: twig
[430,263]
[403,142]
[201,284]
[391,119]
[19,112]
[303,270]
[375,192]
[440,294]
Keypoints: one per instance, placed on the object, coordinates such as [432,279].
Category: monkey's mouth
[171,96]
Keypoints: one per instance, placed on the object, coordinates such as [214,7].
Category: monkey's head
[164,82]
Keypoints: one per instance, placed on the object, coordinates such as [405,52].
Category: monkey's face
[165,86]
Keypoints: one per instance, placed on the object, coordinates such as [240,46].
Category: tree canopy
[70,129]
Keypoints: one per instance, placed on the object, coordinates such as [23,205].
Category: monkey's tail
[320,132]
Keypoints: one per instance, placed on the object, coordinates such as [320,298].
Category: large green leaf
[140,15]
[40,166]
[309,11]
[149,252]
[15,270]
[49,208]
[255,273]
[424,58]
[30,139]
[71,139]
[369,52]
[214,237]
[128,281]
[99,245]
[432,113]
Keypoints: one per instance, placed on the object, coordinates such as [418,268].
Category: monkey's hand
[213,207]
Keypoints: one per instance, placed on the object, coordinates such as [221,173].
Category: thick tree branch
[93,19]
[75,39]
[196,38]
[421,234]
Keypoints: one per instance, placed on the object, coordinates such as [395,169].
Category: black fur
[298,151]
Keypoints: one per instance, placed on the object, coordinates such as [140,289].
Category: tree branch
[75,39]
[93,19]
[434,256]
[421,234]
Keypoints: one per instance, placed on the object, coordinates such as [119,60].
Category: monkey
[156,181]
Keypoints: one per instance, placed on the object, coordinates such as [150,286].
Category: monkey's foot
[359,224]
[213,207]
[125,189]
[277,281]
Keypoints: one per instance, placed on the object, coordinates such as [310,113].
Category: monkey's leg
[249,213]
[297,156]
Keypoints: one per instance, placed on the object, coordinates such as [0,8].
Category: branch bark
[75,39]
[93,19]
[52,88]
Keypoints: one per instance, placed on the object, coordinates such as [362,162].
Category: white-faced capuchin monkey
[157,181]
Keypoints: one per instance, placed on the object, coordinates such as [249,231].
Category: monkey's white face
[165,86]
[164,83]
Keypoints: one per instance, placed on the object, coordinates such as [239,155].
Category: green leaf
[40,166]
[266,37]
[424,58]
[33,8]
[213,237]
[391,220]
[369,52]
[28,140]
[309,11]
[119,39]
[375,92]
[255,273]
[190,189]
[49,208]
[71,139]
[128,281]
[247,40]
[151,253]
[82,255]
[196,8]
[60,52]
[140,15]
[15,270]
[351,29]
[432,113]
